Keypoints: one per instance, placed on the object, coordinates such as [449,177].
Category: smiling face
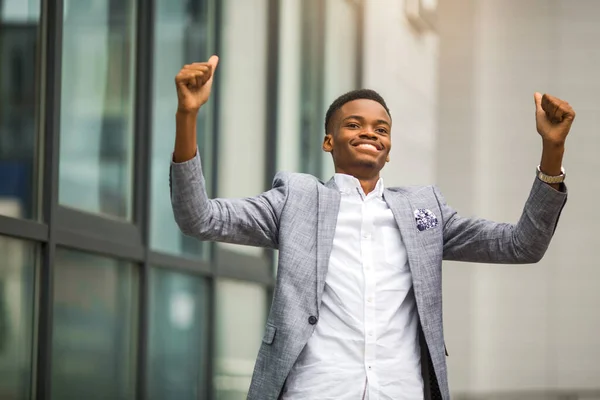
[359,138]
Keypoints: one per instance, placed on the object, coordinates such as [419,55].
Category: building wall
[513,328]
[401,65]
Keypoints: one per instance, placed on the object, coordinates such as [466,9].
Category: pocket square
[425,219]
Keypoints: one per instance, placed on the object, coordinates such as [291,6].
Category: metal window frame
[23,229]
[142,175]
[271,113]
[61,226]
[313,19]
[51,39]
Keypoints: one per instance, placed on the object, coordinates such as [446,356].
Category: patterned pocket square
[425,219]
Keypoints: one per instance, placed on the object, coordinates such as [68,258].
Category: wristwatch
[551,179]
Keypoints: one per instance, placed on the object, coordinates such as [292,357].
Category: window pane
[181,28]
[242,89]
[241,316]
[19,22]
[313,112]
[178,336]
[289,86]
[341,33]
[97,106]
[17,279]
[326,69]
[93,342]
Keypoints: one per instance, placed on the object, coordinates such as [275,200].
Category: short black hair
[357,94]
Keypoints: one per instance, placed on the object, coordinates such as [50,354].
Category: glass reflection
[93,342]
[19,45]
[178,336]
[241,316]
[17,280]
[97,106]
[181,37]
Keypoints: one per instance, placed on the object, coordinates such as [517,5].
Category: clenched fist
[193,83]
[553,118]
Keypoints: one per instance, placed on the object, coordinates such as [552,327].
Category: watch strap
[549,178]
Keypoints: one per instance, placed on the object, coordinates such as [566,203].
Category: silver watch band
[551,179]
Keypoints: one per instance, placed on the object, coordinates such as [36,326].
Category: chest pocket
[394,251]
[392,247]
[429,232]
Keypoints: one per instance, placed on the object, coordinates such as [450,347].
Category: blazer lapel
[329,206]
[403,214]
[402,209]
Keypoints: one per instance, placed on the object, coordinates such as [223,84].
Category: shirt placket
[370,333]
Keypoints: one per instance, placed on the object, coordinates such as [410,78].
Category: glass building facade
[101,296]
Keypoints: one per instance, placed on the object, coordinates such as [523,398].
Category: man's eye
[352,125]
[381,130]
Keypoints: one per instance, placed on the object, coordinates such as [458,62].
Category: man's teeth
[367,146]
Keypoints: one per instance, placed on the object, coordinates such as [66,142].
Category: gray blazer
[298,216]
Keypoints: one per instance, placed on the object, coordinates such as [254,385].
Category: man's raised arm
[480,240]
[251,221]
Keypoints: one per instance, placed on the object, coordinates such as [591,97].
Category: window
[242,108]
[87,121]
[180,38]
[177,362]
[289,86]
[328,69]
[96,146]
[311,94]
[340,59]
[19,49]
[93,341]
[17,280]
[241,316]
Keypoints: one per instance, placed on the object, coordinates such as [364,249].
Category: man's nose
[368,134]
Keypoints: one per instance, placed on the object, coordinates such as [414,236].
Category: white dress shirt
[365,344]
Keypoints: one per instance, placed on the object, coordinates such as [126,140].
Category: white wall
[520,327]
[472,132]
[402,66]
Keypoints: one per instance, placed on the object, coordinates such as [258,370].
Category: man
[357,307]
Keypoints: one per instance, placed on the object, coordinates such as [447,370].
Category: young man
[357,308]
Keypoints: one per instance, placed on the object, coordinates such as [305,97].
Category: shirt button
[370,334]
[366,235]
[370,299]
[312,320]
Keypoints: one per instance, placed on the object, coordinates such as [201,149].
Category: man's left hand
[553,118]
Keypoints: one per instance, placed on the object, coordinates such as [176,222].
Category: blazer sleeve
[483,241]
[250,221]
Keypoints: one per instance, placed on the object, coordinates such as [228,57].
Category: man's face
[359,138]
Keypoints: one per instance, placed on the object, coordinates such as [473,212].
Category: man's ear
[328,143]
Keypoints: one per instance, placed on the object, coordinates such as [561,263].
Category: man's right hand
[193,83]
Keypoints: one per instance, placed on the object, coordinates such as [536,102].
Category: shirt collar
[348,184]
